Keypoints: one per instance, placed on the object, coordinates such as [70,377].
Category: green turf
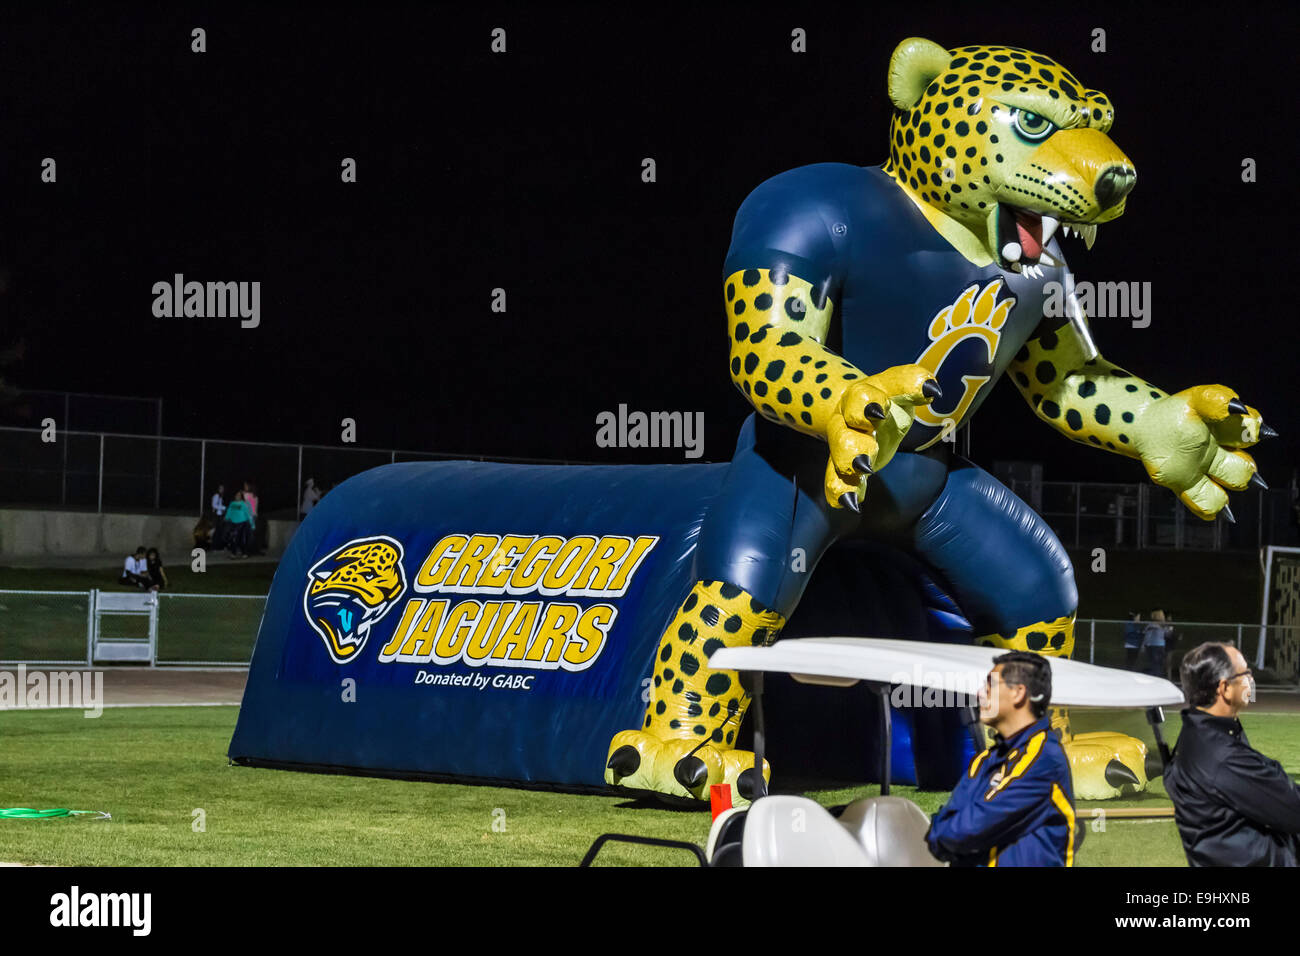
[53,627]
[152,767]
[247,577]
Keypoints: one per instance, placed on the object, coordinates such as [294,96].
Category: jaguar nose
[1114,183]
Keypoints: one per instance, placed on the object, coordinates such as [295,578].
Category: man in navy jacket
[1015,805]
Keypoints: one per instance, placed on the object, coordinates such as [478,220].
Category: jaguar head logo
[350,590]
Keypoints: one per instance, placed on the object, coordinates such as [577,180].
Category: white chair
[890,830]
[796,831]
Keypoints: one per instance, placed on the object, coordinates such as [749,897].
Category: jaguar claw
[1119,776]
[691,772]
[624,761]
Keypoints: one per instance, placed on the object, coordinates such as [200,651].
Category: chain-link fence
[1114,515]
[1273,649]
[45,627]
[219,630]
[86,627]
[104,471]
[194,629]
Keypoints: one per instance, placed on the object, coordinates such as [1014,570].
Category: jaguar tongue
[1029,229]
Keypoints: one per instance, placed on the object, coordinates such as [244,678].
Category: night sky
[522,171]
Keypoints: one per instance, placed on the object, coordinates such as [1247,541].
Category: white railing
[160,629]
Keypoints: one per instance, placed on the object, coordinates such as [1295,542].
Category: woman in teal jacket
[239,516]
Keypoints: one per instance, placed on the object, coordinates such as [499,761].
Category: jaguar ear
[914,65]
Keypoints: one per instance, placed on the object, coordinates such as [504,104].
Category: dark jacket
[1233,805]
[1014,806]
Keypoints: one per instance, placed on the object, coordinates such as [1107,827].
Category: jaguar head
[1007,144]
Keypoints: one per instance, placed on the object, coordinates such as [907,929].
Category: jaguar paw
[1106,765]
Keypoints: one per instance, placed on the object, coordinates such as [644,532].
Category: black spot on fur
[716,686]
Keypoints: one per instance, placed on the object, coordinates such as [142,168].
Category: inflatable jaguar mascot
[870,311]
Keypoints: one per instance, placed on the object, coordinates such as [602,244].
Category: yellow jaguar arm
[1091,401]
[777,324]
[1188,442]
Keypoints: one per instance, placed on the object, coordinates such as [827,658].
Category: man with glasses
[1015,805]
[1233,805]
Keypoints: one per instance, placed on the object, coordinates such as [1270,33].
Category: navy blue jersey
[901,293]
[1014,806]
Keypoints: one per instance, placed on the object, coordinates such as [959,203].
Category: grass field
[52,627]
[153,767]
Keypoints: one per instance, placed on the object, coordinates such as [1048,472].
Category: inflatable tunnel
[487,622]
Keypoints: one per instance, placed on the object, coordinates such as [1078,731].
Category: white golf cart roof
[956,668]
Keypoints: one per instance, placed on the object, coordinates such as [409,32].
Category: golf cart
[781,830]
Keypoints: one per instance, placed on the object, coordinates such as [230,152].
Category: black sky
[522,171]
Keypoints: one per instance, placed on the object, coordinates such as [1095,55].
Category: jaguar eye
[1031,127]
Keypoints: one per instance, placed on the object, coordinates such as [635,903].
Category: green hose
[27,813]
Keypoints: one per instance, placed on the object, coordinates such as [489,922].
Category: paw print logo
[976,314]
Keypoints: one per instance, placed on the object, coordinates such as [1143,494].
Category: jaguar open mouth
[1022,235]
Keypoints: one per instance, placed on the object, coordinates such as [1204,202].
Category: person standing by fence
[1133,634]
[1154,638]
[310,495]
[239,522]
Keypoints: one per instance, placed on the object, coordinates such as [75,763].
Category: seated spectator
[1233,805]
[203,532]
[239,527]
[136,570]
[157,574]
